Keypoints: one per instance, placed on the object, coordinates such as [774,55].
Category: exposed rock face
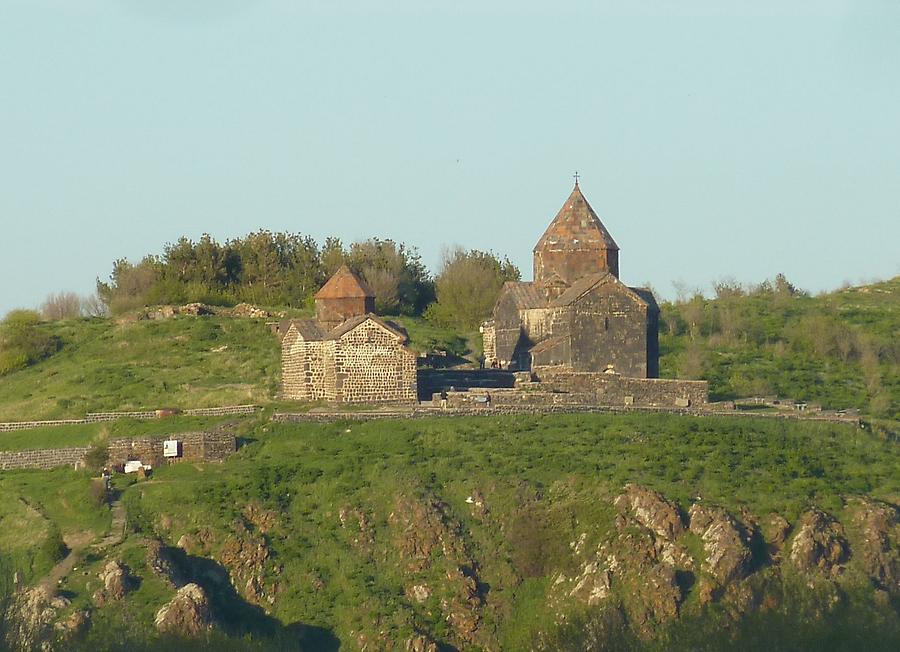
[116,583]
[819,544]
[652,510]
[77,622]
[426,535]
[158,559]
[30,619]
[187,614]
[880,529]
[245,555]
[420,643]
[775,530]
[726,542]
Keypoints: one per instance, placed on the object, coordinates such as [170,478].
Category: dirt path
[79,543]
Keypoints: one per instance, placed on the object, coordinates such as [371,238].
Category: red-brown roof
[576,226]
[344,284]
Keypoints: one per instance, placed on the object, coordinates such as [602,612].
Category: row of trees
[286,269]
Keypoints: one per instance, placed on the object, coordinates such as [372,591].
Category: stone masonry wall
[609,389]
[371,365]
[47,458]
[195,446]
[96,417]
[303,370]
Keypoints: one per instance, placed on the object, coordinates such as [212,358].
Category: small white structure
[171,448]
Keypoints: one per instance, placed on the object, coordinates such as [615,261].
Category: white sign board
[170,448]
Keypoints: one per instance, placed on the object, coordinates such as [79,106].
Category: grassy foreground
[332,497]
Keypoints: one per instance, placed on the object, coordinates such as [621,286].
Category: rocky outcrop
[31,617]
[725,541]
[116,581]
[420,643]
[775,529]
[427,536]
[187,614]
[246,554]
[819,545]
[652,510]
[160,561]
[879,530]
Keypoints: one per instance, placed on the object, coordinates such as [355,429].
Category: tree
[65,305]
[468,285]
[23,342]
[395,273]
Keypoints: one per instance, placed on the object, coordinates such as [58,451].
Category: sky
[715,140]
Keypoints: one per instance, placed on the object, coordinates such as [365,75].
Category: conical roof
[576,227]
[344,284]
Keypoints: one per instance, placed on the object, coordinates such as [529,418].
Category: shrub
[23,342]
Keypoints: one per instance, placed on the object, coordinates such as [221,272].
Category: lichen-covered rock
[78,621]
[116,581]
[726,542]
[187,614]
[420,643]
[30,619]
[879,528]
[426,536]
[819,544]
[775,529]
[652,510]
[160,561]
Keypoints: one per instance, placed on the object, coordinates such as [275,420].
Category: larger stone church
[576,315]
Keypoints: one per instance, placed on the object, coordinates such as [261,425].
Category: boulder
[187,614]
[116,581]
[819,544]
[726,542]
[775,530]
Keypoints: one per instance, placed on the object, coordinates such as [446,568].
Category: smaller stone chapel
[347,353]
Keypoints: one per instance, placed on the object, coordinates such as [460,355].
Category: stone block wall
[47,458]
[371,365]
[303,369]
[195,447]
[611,389]
[95,417]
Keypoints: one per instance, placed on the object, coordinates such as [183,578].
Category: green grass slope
[840,349]
[330,504]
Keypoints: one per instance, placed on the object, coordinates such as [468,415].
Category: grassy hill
[317,535]
[840,349]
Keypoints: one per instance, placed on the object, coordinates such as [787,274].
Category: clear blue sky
[714,139]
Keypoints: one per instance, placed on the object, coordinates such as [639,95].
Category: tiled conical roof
[576,227]
[344,284]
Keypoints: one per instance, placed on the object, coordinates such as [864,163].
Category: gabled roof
[347,326]
[308,329]
[524,294]
[576,226]
[344,284]
[587,283]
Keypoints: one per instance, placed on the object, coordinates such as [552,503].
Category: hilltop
[838,349]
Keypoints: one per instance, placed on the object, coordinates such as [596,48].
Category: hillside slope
[504,533]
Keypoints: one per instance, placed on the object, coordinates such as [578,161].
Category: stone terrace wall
[608,389]
[96,417]
[195,447]
[47,458]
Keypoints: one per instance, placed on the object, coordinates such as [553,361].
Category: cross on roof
[576,175]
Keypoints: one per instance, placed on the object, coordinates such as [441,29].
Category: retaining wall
[96,417]
[195,447]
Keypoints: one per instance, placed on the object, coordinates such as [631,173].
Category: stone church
[576,316]
[347,353]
